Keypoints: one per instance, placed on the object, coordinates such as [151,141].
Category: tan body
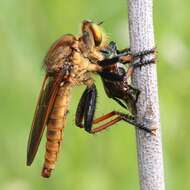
[55,127]
[68,63]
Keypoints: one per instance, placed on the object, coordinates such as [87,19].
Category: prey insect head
[110,50]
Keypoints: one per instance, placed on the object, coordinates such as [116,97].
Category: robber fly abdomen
[55,127]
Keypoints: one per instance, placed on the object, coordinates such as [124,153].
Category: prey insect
[68,63]
[115,81]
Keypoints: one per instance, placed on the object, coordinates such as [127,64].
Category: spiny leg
[141,62]
[86,109]
[104,126]
[125,56]
[145,52]
[119,116]
[131,119]
[139,58]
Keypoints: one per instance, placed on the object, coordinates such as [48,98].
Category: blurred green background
[105,161]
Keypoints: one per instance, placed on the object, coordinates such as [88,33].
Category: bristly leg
[131,119]
[140,59]
[119,116]
[145,52]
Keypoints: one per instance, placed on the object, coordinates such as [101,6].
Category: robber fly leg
[131,119]
[145,52]
[139,59]
[109,61]
[122,57]
[106,124]
[86,108]
[140,63]
[119,116]
[90,106]
[80,109]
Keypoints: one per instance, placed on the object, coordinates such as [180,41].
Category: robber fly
[115,81]
[68,63]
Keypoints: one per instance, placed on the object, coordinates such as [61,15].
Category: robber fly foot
[131,119]
[149,130]
[140,59]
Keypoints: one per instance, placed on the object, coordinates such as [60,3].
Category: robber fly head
[93,36]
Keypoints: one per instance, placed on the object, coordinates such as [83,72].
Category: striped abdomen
[55,126]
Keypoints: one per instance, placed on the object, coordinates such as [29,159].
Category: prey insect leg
[119,102]
[106,73]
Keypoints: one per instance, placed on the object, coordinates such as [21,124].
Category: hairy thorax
[83,64]
[79,73]
[77,63]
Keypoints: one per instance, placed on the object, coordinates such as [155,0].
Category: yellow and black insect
[69,62]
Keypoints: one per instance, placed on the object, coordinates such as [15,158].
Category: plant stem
[149,147]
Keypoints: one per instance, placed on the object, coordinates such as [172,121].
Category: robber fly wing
[44,106]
